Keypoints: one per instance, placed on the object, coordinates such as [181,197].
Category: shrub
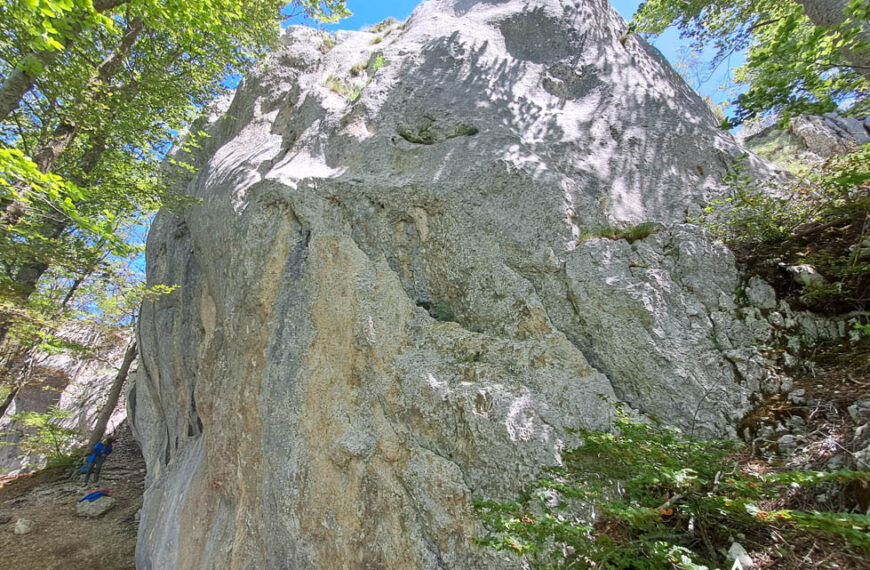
[646,496]
[346,89]
[329,42]
[820,219]
[44,435]
[371,66]
[383,26]
[378,63]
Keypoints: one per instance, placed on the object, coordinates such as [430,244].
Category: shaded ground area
[816,426]
[60,539]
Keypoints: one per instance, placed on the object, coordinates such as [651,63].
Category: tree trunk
[19,81]
[829,13]
[112,401]
[27,277]
[65,133]
[9,399]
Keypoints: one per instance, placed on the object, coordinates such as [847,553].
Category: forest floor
[62,540]
[815,426]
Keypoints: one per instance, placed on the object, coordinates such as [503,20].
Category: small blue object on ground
[93,496]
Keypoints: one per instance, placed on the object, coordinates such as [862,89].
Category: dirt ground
[62,540]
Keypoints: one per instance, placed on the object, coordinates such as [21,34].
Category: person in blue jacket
[96,460]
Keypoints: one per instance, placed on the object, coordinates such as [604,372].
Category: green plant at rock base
[648,497]
[377,40]
[630,233]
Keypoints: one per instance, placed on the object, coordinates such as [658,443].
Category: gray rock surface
[741,558]
[77,385]
[96,508]
[829,135]
[394,301]
[811,138]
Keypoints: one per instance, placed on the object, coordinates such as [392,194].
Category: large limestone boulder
[391,297]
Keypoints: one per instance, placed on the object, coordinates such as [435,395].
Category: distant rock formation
[394,293]
[810,138]
[74,384]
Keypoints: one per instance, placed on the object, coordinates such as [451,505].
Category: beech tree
[93,93]
[802,56]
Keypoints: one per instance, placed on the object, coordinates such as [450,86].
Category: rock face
[77,385]
[811,138]
[391,296]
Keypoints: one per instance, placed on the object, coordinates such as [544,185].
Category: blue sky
[367,13]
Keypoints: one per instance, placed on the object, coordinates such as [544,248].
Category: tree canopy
[807,56]
[93,94]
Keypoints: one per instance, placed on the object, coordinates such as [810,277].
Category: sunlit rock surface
[812,139]
[391,297]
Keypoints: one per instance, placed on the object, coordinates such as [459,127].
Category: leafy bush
[371,66]
[648,497]
[819,218]
[377,63]
[44,435]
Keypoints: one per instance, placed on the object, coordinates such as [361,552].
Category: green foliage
[862,329]
[352,90]
[792,66]
[383,26]
[377,63]
[44,435]
[337,85]
[359,69]
[630,233]
[82,150]
[377,40]
[329,42]
[752,213]
[819,219]
[646,496]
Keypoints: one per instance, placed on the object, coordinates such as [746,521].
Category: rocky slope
[392,297]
